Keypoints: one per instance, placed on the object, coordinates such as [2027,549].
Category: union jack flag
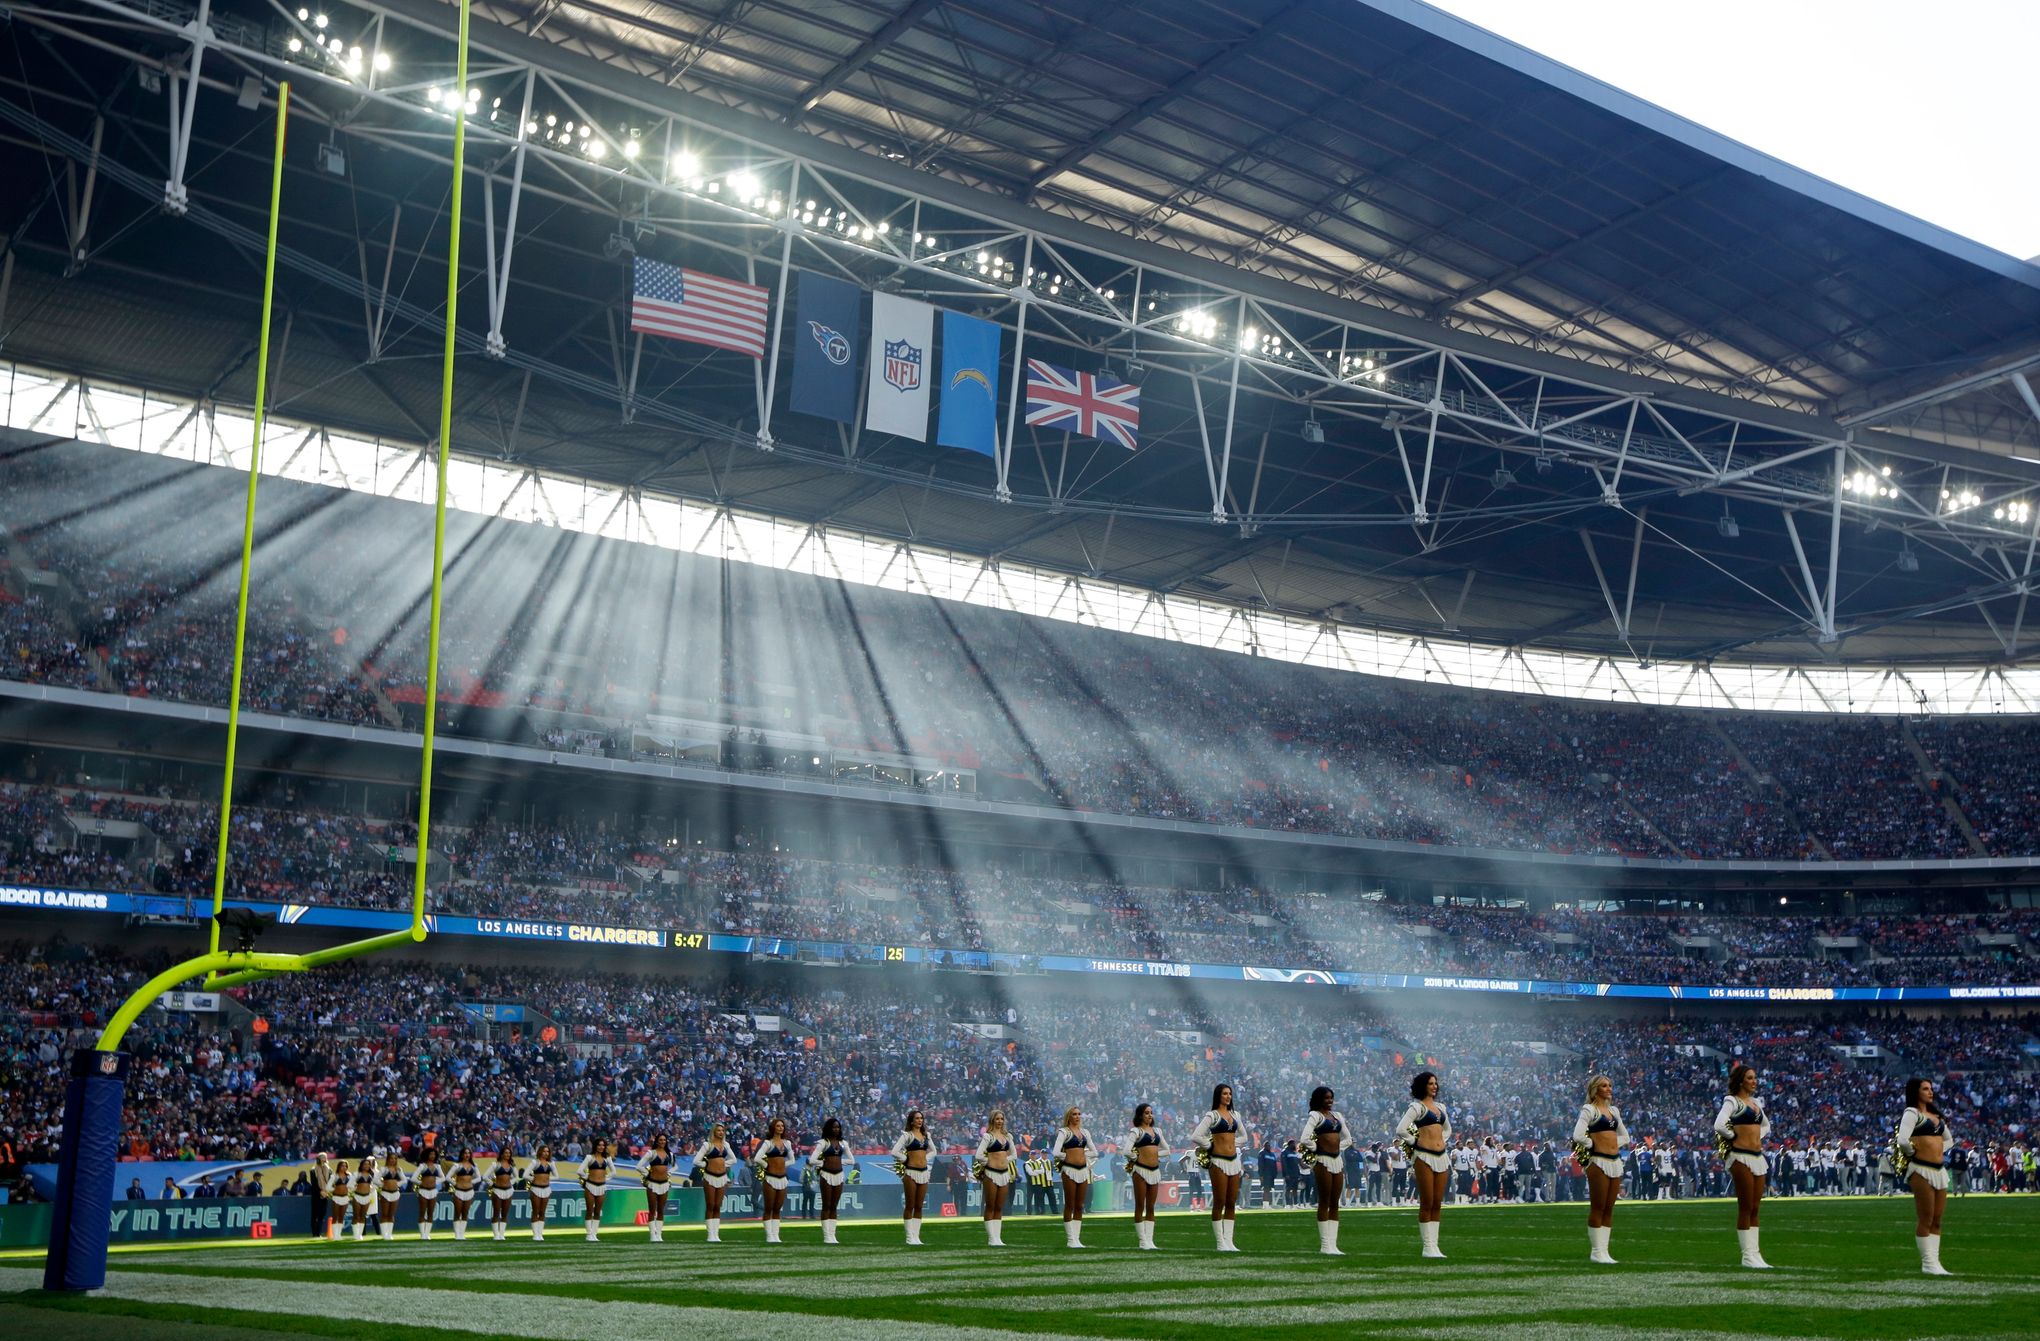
[1092,404]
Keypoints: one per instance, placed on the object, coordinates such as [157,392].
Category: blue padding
[85,1168]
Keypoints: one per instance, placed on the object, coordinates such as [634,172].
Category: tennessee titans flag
[970,378]
[826,336]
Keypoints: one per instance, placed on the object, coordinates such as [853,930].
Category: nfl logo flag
[896,390]
[1090,404]
[705,309]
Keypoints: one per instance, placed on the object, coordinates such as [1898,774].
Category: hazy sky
[1931,108]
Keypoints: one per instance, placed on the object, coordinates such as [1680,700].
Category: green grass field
[1846,1268]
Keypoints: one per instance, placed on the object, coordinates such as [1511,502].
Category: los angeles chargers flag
[968,417]
[896,390]
[1092,404]
[826,343]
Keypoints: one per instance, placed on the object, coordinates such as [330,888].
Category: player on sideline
[1598,1136]
[502,1192]
[465,1175]
[993,1165]
[1324,1142]
[595,1171]
[828,1159]
[773,1156]
[1145,1152]
[1217,1141]
[656,1168]
[1743,1127]
[712,1162]
[1071,1151]
[364,1194]
[1920,1144]
[338,1184]
[389,1189]
[1424,1132]
[910,1151]
[427,1182]
[541,1172]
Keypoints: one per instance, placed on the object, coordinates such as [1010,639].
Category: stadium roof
[1377,167]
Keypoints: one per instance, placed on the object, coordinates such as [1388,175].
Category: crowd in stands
[597,873]
[567,637]
[379,1053]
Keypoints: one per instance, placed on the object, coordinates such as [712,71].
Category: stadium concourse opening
[1114,658]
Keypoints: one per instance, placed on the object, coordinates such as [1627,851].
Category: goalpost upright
[97,1090]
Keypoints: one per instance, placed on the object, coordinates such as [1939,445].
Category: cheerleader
[541,1173]
[1071,1151]
[595,1171]
[1598,1137]
[1424,1131]
[1743,1128]
[656,1169]
[774,1153]
[830,1159]
[1323,1144]
[389,1188]
[464,1175]
[502,1192]
[910,1152]
[1922,1138]
[993,1165]
[427,1184]
[1217,1140]
[364,1194]
[1145,1153]
[712,1161]
[337,1189]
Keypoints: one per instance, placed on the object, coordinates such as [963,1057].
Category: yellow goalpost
[93,1100]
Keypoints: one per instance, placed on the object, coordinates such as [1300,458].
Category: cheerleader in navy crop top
[993,1165]
[713,1160]
[1424,1131]
[1071,1151]
[830,1158]
[1598,1136]
[1922,1142]
[773,1159]
[1220,1135]
[912,1151]
[1323,1147]
[1743,1127]
[595,1171]
[1146,1152]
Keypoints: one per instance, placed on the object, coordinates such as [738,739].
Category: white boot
[1218,1234]
[1230,1246]
[1933,1265]
[772,1231]
[828,1231]
[914,1232]
[459,1228]
[1144,1234]
[359,1229]
[425,1230]
[389,1229]
[497,1229]
[1429,1232]
[538,1231]
[655,1230]
[1073,1233]
[995,1233]
[714,1231]
[1599,1239]
[1328,1238]
[1752,1255]
[592,1226]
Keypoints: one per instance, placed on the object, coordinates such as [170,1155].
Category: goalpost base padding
[81,1218]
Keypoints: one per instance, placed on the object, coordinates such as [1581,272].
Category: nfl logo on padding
[902,365]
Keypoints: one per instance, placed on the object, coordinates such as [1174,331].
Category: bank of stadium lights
[1959,500]
[2018,510]
[1865,484]
[1361,368]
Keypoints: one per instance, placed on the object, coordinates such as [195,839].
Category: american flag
[1078,402]
[707,309]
